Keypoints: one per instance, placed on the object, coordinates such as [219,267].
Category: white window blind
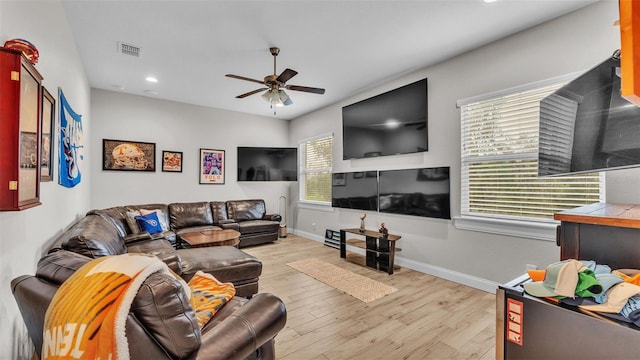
[499,174]
[316,166]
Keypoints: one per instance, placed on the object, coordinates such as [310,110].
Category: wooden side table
[207,238]
[380,249]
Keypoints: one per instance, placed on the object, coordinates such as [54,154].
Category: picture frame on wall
[48,121]
[171,161]
[211,166]
[339,179]
[123,155]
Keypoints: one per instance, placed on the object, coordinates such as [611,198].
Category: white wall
[575,42]
[178,127]
[25,234]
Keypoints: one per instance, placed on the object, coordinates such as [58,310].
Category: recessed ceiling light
[151,79]
[490,1]
[392,123]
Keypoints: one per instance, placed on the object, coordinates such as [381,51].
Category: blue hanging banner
[70,144]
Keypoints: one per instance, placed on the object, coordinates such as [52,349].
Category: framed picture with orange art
[171,161]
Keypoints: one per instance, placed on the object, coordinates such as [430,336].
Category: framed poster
[211,166]
[128,155]
[171,161]
[47,118]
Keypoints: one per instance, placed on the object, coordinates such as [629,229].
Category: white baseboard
[458,277]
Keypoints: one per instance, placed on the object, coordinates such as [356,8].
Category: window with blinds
[316,165]
[499,176]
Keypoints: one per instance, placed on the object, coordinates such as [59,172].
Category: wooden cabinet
[20,101]
[536,328]
[606,233]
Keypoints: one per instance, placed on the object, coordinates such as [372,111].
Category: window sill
[525,229]
[313,205]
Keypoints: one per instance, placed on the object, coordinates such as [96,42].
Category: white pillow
[161,217]
[131,221]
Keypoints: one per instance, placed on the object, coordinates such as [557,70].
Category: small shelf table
[380,250]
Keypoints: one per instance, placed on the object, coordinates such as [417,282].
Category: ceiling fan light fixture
[273,97]
[284,98]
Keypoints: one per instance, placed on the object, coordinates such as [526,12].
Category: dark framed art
[48,121]
[339,179]
[171,161]
[125,155]
[211,166]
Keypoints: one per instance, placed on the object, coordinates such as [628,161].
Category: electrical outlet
[531,267]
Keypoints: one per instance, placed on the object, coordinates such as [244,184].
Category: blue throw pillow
[149,223]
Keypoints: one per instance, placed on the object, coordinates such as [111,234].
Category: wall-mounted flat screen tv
[418,192]
[587,126]
[355,190]
[267,164]
[391,123]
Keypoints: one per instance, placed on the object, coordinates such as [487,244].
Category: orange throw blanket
[86,318]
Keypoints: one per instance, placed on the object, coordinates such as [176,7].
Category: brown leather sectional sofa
[160,323]
[249,217]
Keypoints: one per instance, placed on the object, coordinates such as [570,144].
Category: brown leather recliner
[161,323]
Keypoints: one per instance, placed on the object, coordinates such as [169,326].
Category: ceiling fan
[274,85]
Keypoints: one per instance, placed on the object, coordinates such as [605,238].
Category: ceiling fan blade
[286,75]
[250,93]
[305,89]
[244,78]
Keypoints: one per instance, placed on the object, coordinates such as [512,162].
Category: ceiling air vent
[128,49]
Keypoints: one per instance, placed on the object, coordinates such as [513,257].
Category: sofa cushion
[208,295]
[93,236]
[242,210]
[162,217]
[149,223]
[134,228]
[116,215]
[58,266]
[219,210]
[182,215]
[226,263]
[258,226]
[162,306]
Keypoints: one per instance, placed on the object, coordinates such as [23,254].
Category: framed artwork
[28,149]
[211,166]
[128,155]
[171,161]
[339,179]
[48,120]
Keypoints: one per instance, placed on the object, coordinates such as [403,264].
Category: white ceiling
[346,47]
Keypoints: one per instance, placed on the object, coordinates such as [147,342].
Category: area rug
[356,285]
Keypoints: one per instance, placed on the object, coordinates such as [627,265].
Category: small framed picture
[339,179]
[48,117]
[171,161]
[211,166]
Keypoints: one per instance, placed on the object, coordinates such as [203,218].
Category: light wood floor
[427,318]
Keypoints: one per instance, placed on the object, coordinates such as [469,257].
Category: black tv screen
[418,192]
[267,164]
[355,190]
[587,126]
[391,123]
